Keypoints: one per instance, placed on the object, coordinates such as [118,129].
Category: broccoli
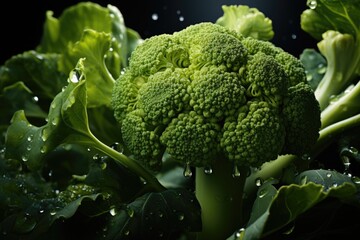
[212,98]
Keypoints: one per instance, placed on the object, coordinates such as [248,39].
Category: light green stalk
[220,196]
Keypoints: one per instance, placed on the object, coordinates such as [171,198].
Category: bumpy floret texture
[207,93]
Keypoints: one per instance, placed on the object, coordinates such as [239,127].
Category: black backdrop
[21,22]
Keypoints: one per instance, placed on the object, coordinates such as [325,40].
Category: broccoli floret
[141,140]
[158,53]
[191,139]
[215,93]
[258,133]
[302,119]
[210,44]
[265,79]
[125,94]
[164,96]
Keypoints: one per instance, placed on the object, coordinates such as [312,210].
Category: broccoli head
[207,93]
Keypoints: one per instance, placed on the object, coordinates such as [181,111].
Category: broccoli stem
[220,196]
[345,106]
[151,181]
[272,169]
[328,134]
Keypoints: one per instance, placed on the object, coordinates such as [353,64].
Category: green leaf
[338,15]
[67,122]
[156,215]
[38,71]
[18,96]
[68,28]
[92,47]
[247,21]
[273,210]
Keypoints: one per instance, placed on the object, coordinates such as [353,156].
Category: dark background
[21,22]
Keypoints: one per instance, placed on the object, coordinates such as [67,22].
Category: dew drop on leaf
[181,216]
[262,193]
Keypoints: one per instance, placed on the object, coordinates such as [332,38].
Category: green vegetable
[211,98]
[211,132]
[248,21]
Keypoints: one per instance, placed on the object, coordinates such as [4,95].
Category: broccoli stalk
[220,195]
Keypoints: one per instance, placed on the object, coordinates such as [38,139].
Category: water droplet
[161,215]
[208,170]
[35,98]
[236,171]
[312,4]
[24,158]
[328,175]
[258,182]
[41,211]
[28,148]
[181,18]
[43,149]
[289,230]
[30,138]
[55,121]
[103,165]
[44,134]
[112,212]
[181,216]
[75,76]
[238,233]
[126,232]
[130,212]
[356,180]
[309,77]
[96,157]
[187,170]
[293,36]
[306,157]
[262,193]
[154,16]
[52,213]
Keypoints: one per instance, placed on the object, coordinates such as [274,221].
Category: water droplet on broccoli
[236,172]
[187,170]
[208,170]
[312,4]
